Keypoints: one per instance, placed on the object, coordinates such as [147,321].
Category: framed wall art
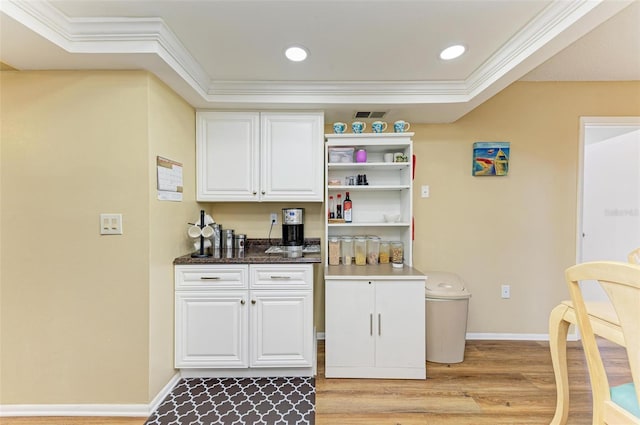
[491,158]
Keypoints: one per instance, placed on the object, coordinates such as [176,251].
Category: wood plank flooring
[500,382]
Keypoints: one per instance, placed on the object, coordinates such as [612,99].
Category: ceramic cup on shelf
[361,155]
[401,126]
[339,127]
[388,157]
[378,126]
[358,126]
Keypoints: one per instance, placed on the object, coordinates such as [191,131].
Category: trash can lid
[445,285]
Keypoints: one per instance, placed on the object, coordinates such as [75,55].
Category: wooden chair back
[634,256]
[621,282]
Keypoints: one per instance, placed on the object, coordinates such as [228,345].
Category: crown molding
[108,36]
[153,36]
[339,92]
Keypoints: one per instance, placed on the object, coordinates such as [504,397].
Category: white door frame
[584,123]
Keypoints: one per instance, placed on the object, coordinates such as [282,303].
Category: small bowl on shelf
[391,218]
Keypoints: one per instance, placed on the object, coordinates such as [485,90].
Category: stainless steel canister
[227,239]
[240,242]
[217,236]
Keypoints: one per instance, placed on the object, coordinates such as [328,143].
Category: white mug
[388,157]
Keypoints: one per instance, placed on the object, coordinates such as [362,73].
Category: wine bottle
[332,213]
[347,206]
[339,207]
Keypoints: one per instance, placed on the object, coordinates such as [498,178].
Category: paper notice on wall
[169,179]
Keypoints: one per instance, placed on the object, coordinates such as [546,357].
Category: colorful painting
[491,158]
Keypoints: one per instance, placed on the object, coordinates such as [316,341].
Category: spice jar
[360,249]
[385,247]
[373,249]
[397,254]
[334,251]
[346,250]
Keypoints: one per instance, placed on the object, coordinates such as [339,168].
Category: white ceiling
[365,55]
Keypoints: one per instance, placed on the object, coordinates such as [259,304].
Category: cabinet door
[292,156]
[227,145]
[211,329]
[349,323]
[281,329]
[399,323]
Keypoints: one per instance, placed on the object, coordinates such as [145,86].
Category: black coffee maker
[293,226]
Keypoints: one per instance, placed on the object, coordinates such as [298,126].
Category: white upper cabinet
[253,156]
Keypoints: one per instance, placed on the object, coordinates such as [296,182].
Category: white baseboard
[514,337]
[499,336]
[132,410]
[164,392]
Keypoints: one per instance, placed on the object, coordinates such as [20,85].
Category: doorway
[608,192]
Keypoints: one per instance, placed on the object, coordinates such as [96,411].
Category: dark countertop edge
[254,253]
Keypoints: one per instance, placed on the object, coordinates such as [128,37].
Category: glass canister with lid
[373,249]
[397,254]
[360,250]
[346,250]
[385,248]
[334,250]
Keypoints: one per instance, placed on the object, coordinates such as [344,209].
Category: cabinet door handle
[255,193]
[253,301]
[379,324]
[280,277]
[264,193]
[209,278]
[371,324]
[242,302]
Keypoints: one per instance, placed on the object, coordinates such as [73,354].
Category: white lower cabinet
[375,329]
[244,320]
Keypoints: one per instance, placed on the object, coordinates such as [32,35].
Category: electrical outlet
[505,290]
[110,224]
[273,219]
[425,191]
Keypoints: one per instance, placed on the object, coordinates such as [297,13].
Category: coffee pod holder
[202,231]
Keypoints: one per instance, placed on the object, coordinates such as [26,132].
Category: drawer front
[211,277]
[281,276]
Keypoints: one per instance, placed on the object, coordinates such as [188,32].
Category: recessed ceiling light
[452,52]
[296,53]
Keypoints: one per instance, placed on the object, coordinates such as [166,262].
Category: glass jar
[334,251]
[347,250]
[373,249]
[360,249]
[397,254]
[384,252]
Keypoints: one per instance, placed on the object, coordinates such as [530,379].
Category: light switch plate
[425,191]
[110,224]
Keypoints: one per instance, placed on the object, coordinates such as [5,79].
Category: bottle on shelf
[346,208]
[332,211]
[339,207]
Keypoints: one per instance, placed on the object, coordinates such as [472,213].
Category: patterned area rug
[241,401]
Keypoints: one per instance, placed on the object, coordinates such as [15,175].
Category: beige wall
[79,311]
[520,229]
[172,136]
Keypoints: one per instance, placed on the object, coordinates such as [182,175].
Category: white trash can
[446,311]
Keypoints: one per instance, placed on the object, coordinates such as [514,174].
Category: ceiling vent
[364,114]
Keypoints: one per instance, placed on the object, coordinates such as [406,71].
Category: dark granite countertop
[254,253]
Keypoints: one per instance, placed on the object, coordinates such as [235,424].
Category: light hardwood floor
[500,382]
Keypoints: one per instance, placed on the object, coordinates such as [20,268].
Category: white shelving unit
[389,189]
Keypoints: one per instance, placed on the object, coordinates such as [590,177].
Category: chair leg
[558,330]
